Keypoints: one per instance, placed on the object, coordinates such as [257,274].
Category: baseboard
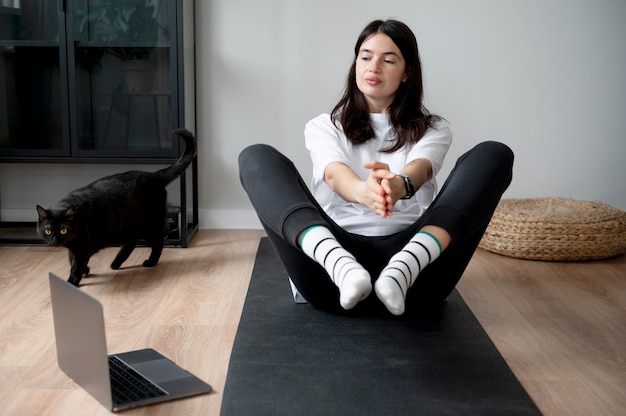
[18,215]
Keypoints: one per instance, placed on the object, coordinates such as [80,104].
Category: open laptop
[120,381]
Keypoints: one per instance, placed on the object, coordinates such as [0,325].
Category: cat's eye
[48,232]
[63,232]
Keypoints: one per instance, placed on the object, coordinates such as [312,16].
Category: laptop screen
[80,338]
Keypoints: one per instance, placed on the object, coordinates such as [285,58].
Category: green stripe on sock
[305,232]
[434,238]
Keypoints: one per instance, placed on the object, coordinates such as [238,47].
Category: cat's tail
[170,173]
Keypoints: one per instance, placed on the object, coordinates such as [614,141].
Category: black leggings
[463,207]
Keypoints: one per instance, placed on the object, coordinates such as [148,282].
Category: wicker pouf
[556,229]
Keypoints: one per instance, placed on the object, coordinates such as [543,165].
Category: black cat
[116,210]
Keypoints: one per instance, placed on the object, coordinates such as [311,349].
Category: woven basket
[556,229]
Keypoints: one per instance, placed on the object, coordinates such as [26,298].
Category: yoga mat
[292,359]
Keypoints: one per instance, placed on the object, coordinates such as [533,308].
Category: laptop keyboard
[127,385]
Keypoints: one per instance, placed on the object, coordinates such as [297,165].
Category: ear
[69,213]
[405,78]
[43,214]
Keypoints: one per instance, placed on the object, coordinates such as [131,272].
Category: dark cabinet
[97,81]
[33,80]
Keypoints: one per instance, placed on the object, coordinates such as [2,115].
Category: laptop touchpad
[160,370]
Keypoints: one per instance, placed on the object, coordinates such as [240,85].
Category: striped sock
[402,270]
[347,274]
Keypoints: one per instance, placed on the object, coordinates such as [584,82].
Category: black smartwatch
[410,188]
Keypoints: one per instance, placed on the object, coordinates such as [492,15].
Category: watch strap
[410,188]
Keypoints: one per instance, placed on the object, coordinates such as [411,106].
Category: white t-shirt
[327,143]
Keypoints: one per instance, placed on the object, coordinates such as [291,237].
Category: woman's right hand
[369,192]
[377,194]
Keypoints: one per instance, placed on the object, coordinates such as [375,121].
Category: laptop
[119,381]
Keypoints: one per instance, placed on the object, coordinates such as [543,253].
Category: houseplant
[125,29]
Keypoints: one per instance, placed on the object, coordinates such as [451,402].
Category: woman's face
[380,69]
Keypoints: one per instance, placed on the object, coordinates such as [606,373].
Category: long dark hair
[409,118]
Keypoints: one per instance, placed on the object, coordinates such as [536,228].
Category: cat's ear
[43,214]
[69,213]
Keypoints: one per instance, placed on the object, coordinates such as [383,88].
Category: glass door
[123,78]
[33,84]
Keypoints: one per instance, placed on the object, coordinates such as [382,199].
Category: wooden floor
[560,326]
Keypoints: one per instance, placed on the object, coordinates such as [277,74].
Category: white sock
[353,281]
[402,270]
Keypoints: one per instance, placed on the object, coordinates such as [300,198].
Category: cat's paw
[150,263]
[116,265]
[74,280]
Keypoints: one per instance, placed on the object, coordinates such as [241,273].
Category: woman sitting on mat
[373,215]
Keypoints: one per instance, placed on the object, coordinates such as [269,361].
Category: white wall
[547,77]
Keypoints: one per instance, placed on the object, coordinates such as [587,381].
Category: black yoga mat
[291,359]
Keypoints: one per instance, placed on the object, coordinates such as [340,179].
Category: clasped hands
[382,189]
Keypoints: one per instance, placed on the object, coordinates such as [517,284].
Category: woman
[373,219]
